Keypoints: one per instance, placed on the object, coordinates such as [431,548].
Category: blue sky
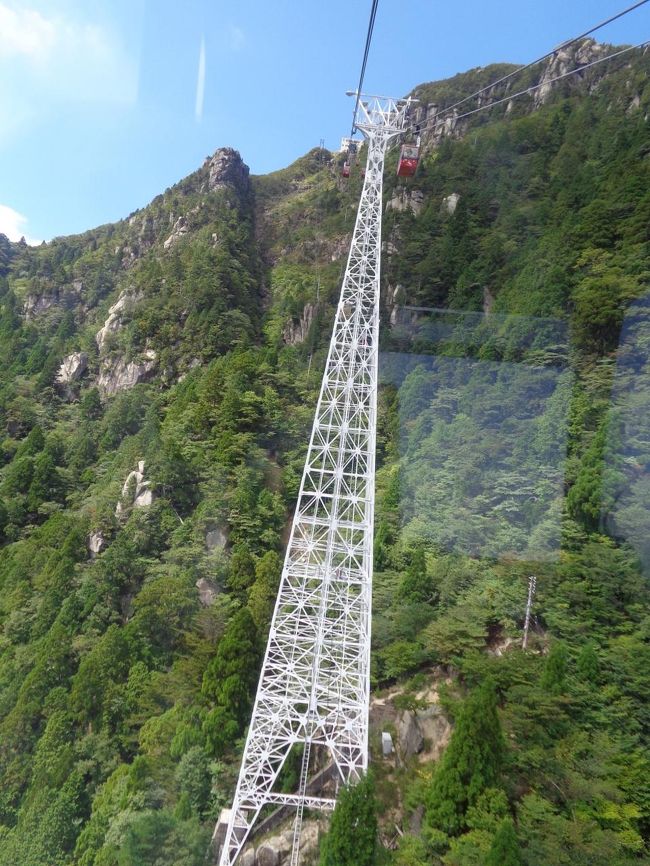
[105,104]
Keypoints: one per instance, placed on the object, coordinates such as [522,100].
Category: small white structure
[387,748]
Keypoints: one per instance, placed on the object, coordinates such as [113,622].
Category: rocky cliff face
[117,374]
[226,170]
[116,629]
[564,59]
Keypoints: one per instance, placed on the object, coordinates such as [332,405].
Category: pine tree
[229,681]
[262,594]
[587,663]
[352,838]
[505,847]
[471,763]
[554,675]
[242,570]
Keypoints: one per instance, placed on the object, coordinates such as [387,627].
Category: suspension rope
[532,63]
[371,27]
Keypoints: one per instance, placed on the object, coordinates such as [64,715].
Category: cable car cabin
[408,160]
[346,169]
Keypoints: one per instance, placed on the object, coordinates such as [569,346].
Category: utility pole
[315,680]
[532,585]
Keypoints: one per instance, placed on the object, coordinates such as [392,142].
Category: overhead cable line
[535,87]
[371,27]
[532,63]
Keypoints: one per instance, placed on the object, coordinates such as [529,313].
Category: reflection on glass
[626,454]
[483,421]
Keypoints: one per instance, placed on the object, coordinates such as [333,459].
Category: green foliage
[352,836]
[264,590]
[229,681]
[160,839]
[194,779]
[555,670]
[505,847]
[119,685]
[472,762]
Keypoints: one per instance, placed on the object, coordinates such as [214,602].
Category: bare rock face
[423,732]
[394,300]
[268,854]
[136,491]
[179,229]
[406,199]
[96,543]
[488,300]
[276,851]
[65,297]
[309,840]
[436,730]
[450,202]
[116,315]
[72,368]
[215,538]
[207,591]
[227,169]
[116,374]
[296,332]
[410,736]
[565,59]
[36,304]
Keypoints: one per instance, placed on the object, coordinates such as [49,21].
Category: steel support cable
[366,52]
[520,69]
[535,87]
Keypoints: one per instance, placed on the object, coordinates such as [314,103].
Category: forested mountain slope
[157,382]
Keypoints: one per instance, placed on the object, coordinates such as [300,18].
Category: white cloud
[25,32]
[237,38]
[65,58]
[13,224]
[200,83]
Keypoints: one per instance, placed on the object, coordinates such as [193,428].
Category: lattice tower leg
[314,685]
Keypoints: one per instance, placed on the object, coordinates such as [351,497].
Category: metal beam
[315,680]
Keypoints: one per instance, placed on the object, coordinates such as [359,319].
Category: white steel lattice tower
[314,685]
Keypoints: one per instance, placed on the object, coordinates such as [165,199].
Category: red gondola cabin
[346,169]
[408,160]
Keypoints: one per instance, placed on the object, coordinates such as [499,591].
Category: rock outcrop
[295,332]
[406,199]
[116,374]
[215,538]
[96,543]
[450,202]
[227,169]
[179,229]
[63,297]
[276,850]
[72,368]
[423,732]
[136,491]
[207,591]
[563,60]
[124,305]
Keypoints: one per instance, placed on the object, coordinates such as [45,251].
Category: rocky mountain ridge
[169,365]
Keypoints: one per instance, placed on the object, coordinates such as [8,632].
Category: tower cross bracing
[315,679]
